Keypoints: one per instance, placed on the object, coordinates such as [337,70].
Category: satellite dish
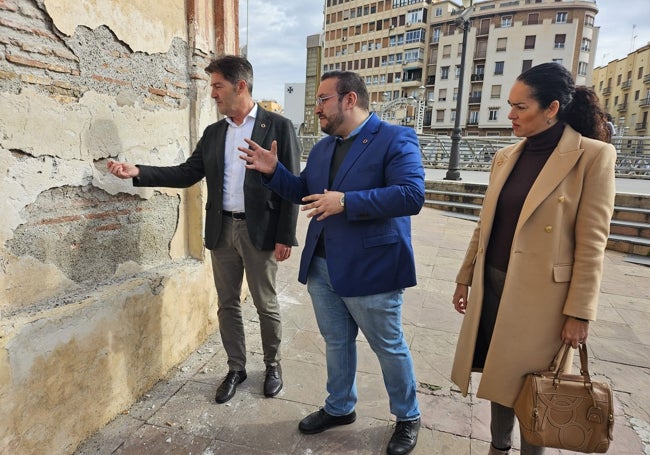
[467,3]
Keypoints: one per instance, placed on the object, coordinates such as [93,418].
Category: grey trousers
[501,426]
[235,254]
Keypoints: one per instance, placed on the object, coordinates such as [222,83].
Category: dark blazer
[269,218]
[368,246]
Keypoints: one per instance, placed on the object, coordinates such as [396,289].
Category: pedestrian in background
[535,260]
[248,228]
[360,186]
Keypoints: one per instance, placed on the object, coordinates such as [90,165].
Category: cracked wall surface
[103,286]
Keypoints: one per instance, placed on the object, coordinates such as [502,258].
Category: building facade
[624,88]
[411,50]
[311,126]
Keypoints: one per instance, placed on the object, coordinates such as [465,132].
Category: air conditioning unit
[408,24]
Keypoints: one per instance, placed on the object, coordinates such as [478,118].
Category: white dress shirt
[234,170]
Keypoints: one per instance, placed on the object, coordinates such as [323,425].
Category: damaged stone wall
[103,286]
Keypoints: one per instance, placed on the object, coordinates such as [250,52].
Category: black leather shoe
[229,385]
[320,421]
[273,380]
[404,438]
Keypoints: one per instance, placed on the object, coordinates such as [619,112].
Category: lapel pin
[365,141]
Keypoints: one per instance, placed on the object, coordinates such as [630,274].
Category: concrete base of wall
[67,370]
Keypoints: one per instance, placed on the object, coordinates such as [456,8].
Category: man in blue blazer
[360,186]
[247,226]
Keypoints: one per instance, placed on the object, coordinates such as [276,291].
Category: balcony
[480,55]
[477,77]
[642,126]
[627,84]
[622,107]
[475,99]
[645,102]
[607,90]
[431,80]
[646,79]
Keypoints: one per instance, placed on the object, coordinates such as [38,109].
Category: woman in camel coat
[534,262]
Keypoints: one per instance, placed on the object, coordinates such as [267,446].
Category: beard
[333,122]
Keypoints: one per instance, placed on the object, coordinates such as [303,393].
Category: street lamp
[464,23]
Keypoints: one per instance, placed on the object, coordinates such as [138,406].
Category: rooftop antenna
[634,35]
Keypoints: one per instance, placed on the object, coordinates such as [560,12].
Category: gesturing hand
[258,158]
[122,170]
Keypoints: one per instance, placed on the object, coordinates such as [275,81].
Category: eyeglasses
[320,100]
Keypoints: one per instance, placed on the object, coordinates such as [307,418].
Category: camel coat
[555,263]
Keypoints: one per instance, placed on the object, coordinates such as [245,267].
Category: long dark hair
[579,106]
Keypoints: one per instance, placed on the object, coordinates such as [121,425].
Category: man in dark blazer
[247,226]
[358,256]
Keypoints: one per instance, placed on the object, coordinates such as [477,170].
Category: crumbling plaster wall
[103,286]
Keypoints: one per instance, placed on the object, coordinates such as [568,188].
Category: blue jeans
[380,319]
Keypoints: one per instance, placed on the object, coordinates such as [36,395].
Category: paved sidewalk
[179,415]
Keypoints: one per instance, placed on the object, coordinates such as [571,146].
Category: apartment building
[624,89]
[311,125]
[411,50]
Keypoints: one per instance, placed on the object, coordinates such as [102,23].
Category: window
[561,17]
[473,118]
[533,18]
[526,65]
[529,42]
[453,115]
[559,41]
[582,68]
[457,72]
[415,16]
[444,72]
[639,75]
[559,61]
[446,51]
[494,114]
[412,55]
[455,97]
[589,20]
[495,92]
[442,94]
[506,21]
[501,44]
[440,115]
[498,67]
[438,12]
[415,36]
[586,45]
[435,36]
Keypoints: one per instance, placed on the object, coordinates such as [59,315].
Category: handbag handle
[584,364]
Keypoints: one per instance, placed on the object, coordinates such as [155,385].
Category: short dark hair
[233,68]
[579,106]
[348,81]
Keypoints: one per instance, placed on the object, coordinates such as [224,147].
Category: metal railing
[476,152]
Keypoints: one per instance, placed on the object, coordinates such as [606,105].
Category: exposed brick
[200,76]
[30,79]
[18,60]
[110,214]
[109,227]
[62,219]
[8,75]
[8,5]
[26,29]
[65,54]
[157,91]
[110,80]
[178,84]
[174,95]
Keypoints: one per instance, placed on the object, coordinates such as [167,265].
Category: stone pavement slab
[179,415]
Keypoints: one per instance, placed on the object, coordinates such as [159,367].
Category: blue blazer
[368,246]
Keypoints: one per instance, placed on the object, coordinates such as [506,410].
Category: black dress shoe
[320,421]
[229,385]
[273,380]
[404,438]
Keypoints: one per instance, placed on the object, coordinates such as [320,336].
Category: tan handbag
[566,411]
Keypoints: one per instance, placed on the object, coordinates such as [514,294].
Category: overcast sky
[276,33]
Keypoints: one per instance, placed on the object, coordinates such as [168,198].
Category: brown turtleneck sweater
[533,157]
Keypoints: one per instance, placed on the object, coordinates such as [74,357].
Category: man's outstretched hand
[123,170]
[258,158]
